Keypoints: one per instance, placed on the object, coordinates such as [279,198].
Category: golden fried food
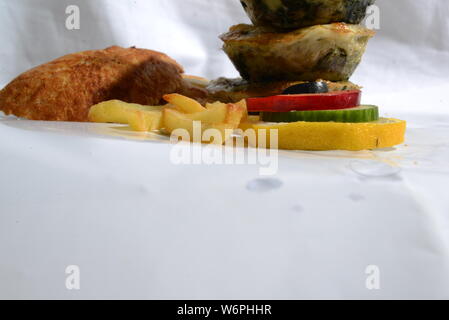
[65,89]
[184,103]
[138,117]
[214,124]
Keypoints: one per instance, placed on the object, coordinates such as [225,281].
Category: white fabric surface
[141,227]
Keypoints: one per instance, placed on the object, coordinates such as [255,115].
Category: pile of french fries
[180,113]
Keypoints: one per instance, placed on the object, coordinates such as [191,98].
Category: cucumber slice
[365,113]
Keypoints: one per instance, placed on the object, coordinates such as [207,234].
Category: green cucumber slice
[364,113]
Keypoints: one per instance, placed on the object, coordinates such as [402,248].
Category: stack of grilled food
[294,46]
[295,62]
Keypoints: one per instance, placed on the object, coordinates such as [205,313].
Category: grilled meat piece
[294,14]
[234,90]
[330,52]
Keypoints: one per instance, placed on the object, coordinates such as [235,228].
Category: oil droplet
[374,169]
[264,185]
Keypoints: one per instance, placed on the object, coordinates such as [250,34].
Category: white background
[140,227]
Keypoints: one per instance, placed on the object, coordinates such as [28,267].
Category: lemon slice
[321,136]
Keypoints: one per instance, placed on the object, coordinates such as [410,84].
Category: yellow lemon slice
[321,136]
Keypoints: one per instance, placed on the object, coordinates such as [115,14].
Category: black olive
[307,87]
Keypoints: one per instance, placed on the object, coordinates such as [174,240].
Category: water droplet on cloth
[264,185]
[374,169]
[356,197]
[297,208]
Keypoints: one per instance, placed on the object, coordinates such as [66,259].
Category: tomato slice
[306,102]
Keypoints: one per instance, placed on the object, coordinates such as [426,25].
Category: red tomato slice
[306,102]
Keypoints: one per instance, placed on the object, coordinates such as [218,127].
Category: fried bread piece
[65,89]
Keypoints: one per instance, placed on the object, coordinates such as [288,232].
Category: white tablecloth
[138,226]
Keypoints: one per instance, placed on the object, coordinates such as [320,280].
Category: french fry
[184,104]
[214,115]
[180,113]
[223,118]
[242,104]
[138,117]
[210,106]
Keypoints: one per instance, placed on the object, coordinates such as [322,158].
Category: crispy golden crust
[65,89]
